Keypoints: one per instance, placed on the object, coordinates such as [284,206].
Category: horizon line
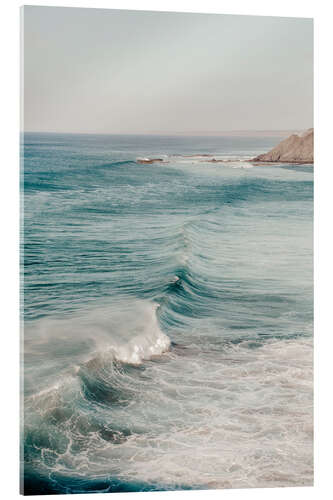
[176,133]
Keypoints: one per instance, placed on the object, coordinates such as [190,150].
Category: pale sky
[119,72]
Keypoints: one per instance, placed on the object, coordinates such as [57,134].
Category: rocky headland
[294,149]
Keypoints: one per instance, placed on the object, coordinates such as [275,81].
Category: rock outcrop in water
[149,160]
[294,149]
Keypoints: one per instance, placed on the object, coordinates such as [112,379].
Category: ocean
[167,313]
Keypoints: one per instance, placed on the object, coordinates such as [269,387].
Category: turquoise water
[167,315]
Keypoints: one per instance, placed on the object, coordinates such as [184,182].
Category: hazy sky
[112,71]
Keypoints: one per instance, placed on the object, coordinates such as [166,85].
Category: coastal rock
[294,149]
[149,160]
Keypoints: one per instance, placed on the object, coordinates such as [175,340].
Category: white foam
[243,420]
[147,340]
[127,331]
[233,418]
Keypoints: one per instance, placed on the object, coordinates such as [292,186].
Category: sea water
[167,313]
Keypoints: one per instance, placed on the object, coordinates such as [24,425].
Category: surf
[167,309]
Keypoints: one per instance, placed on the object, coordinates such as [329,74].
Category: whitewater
[167,314]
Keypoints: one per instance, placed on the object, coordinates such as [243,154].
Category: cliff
[294,149]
